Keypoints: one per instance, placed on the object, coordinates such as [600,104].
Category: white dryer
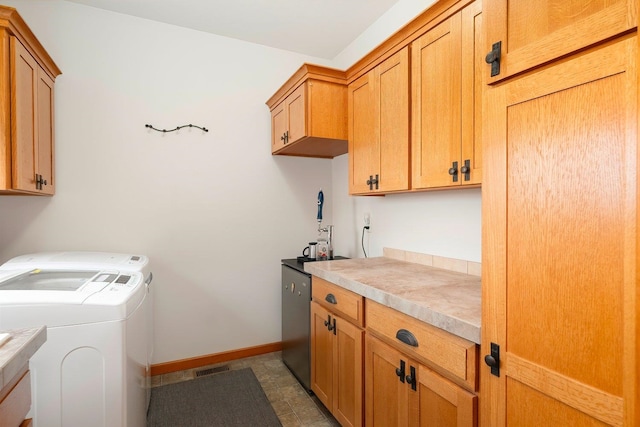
[94,368]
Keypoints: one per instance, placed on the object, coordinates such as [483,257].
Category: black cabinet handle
[493,58]
[373,181]
[453,171]
[411,378]
[334,329]
[328,321]
[285,137]
[407,337]
[466,170]
[493,360]
[331,299]
[400,371]
[40,181]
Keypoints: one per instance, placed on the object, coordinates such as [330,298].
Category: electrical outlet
[367,220]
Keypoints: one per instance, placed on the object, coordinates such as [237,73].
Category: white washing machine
[94,368]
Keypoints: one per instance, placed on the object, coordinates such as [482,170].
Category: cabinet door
[45,132]
[24,70]
[321,355]
[364,133]
[389,400]
[347,374]
[393,87]
[32,136]
[444,404]
[279,123]
[559,268]
[297,110]
[535,32]
[473,70]
[436,79]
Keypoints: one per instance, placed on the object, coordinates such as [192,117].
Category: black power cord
[366,227]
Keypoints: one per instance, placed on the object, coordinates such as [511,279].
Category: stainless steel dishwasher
[296,321]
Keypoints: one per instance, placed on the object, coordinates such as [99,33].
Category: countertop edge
[442,321]
[27,342]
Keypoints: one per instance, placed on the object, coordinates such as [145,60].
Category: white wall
[214,211]
[445,223]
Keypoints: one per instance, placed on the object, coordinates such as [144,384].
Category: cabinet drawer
[450,355]
[14,407]
[340,300]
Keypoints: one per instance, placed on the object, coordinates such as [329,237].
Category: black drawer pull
[407,337]
[331,299]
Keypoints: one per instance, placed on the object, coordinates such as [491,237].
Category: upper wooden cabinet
[309,114]
[415,109]
[27,105]
[379,128]
[447,67]
[533,33]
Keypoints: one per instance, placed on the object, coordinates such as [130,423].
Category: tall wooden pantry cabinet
[560,253]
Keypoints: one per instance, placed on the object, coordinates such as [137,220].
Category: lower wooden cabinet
[443,403]
[399,372]
[389,399]
[400,391]
[336,365]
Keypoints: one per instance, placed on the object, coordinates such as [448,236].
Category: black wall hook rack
[177,128]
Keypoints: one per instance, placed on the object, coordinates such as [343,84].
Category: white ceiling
[320,28]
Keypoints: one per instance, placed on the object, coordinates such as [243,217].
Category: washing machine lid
[58,298]
[42,286]
[70,260]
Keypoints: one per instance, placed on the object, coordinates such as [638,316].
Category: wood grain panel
[443,403]
[602,406]
[321,355]
[543,410]
[364,132]
[327,114]
[560,292]
[278,126]
[348,304]
[348,375]
[450,355]
[570,154]
[45,165]
[436,104]
[534,33]
[388,401]
[473,86]
[296,106]
[393,86]
[24,83]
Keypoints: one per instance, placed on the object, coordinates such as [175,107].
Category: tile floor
[293,405]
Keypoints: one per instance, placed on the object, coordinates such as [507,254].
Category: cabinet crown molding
[306,72]
[13,24]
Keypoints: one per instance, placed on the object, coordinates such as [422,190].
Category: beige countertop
[18,349]
[446,299]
